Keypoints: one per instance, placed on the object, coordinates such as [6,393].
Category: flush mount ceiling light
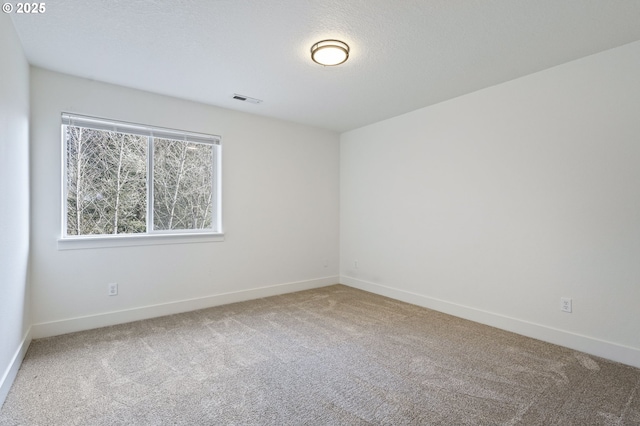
[330,52]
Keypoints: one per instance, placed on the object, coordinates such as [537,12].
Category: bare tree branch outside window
[182,180]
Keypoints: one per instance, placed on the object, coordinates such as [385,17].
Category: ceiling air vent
[244,98]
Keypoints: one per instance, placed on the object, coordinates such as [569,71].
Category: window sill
[102,241]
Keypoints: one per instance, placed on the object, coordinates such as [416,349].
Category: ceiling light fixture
[330,52]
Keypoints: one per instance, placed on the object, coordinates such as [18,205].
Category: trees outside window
[124,179]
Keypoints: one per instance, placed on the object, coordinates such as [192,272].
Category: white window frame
[151,236]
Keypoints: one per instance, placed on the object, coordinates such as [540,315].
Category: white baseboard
[70,325]
[609,350]
[12,369]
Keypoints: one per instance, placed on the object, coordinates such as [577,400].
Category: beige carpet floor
[331,356]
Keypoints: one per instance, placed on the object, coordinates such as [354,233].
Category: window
[123,179]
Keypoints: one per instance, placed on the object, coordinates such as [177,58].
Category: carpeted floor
[334,355]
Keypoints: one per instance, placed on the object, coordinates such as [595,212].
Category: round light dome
[330,52]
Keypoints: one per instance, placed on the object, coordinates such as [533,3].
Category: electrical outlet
[355,264]
[113,289]
[565,304]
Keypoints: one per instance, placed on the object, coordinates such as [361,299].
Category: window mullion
[150,184]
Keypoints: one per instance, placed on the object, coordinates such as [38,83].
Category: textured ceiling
[405,54]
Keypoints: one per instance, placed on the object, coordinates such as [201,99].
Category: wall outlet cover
[113,289]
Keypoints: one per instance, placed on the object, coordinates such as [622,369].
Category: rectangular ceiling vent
[244,98]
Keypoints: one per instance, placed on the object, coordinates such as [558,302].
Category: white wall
[494,205]
[14,207]
[280,213]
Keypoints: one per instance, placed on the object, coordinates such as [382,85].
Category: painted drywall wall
[280,186]
[494,205]
[14,208]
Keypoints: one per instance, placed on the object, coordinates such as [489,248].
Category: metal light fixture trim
[330,52]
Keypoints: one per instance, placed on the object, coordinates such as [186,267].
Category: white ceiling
[405,54]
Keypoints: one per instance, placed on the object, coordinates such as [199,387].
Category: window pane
[106,182]
[182,185]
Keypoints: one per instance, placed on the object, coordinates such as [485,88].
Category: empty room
[320,212]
